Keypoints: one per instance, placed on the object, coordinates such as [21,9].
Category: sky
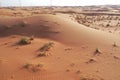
[57,2]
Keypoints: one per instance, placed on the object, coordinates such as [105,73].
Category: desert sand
[60,43]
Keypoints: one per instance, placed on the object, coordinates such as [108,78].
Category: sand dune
[78,52]
[56,28]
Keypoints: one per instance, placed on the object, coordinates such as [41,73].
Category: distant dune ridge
[70,50]
[53,27]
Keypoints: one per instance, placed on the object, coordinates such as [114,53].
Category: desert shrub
[97,51]
[43,50]
[41,54]
[36,67]
[46,47]
[39,65]
[26,65]
[24,41]
[33,67]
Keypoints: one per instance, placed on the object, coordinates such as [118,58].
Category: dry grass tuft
[24,41]
[46,47]
[97,51]
[33,67]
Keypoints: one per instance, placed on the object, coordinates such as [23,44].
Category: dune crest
[56,28]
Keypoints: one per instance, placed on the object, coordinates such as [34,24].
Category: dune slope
[72,57]
[56,28]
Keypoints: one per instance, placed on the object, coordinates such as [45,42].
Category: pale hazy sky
[57,2]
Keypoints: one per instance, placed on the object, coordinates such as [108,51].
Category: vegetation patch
[41,54]
[24,41]
[97,51]
[46,47]
[27,65]
[33,67]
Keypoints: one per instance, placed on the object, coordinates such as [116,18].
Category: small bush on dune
[42,54]
[43,50]
[33,67]
[24,41]
[36,67]
[39,65]
[26,65]
[97,51]
[46,47]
